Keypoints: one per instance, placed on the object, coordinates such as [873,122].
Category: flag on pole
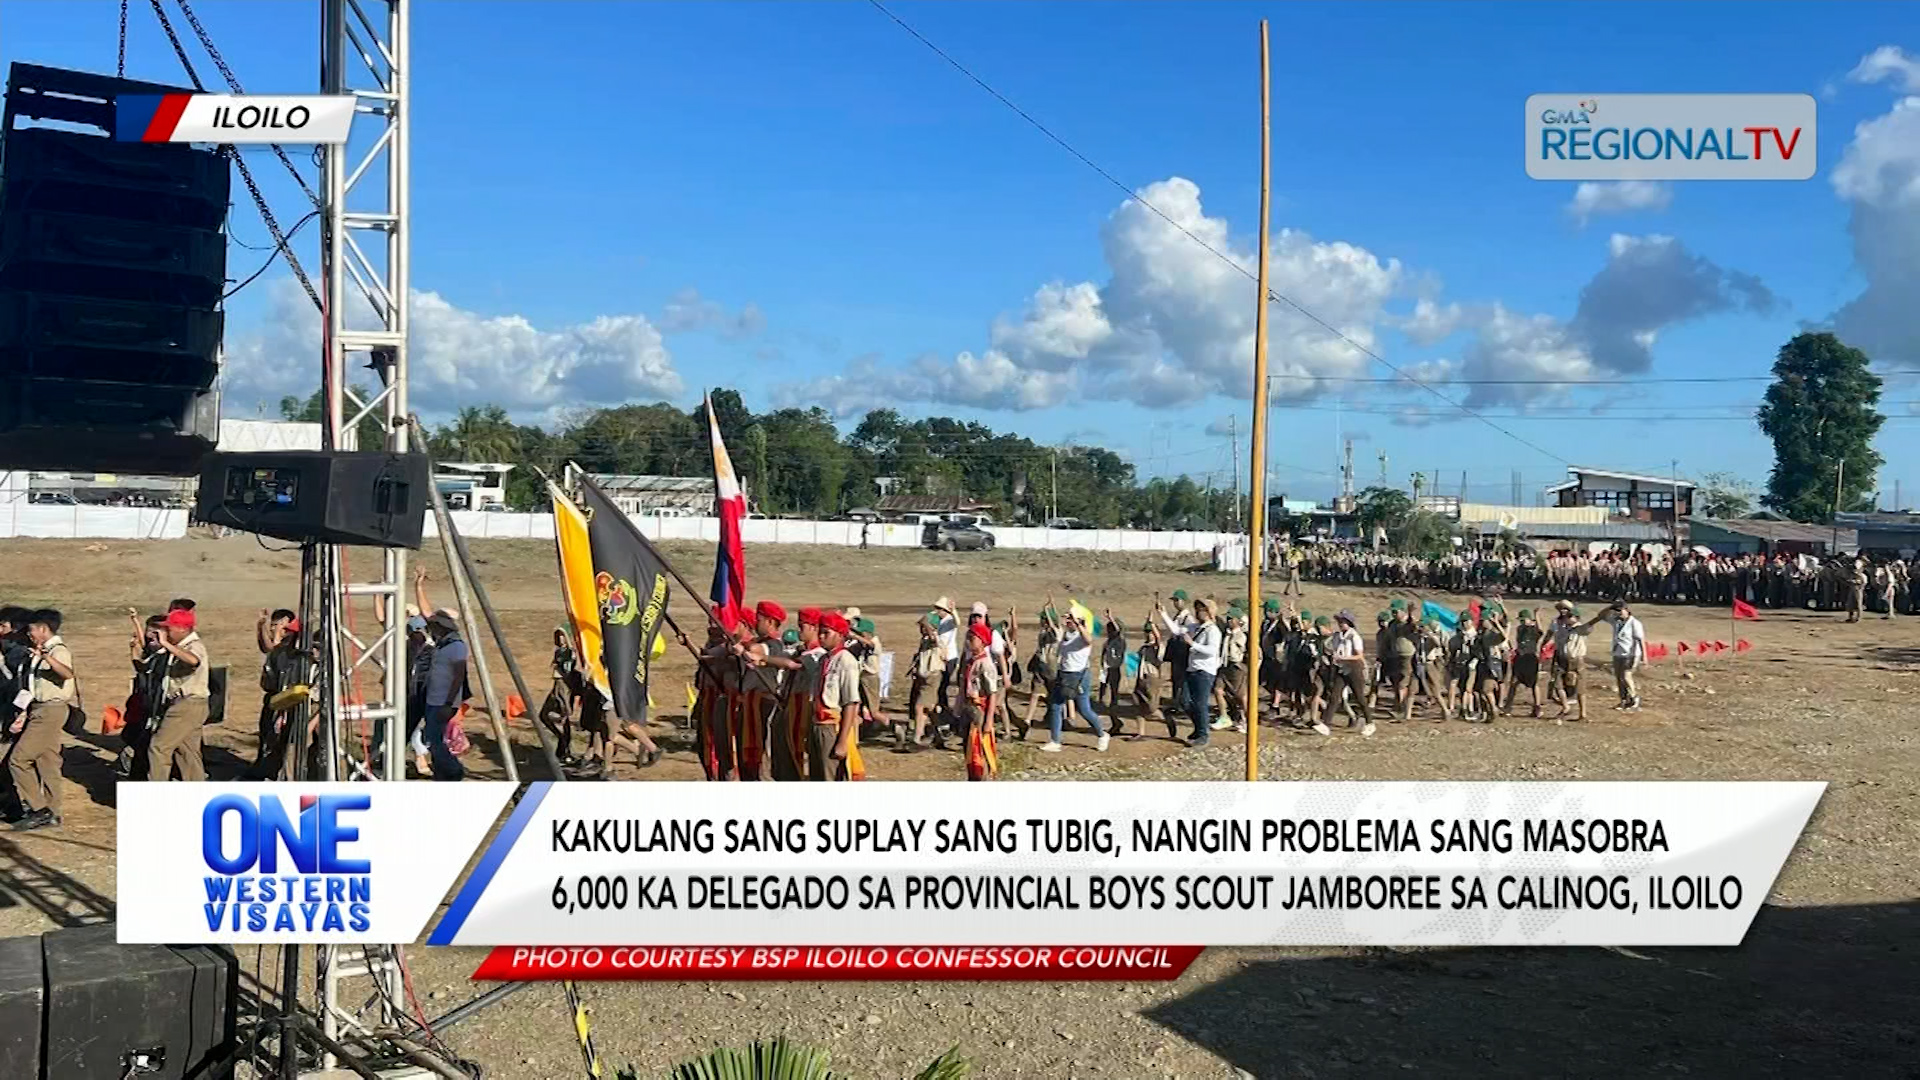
[1440,613]
[630,588]
[576,586]
[616,592]
[1744,610]
[730,564]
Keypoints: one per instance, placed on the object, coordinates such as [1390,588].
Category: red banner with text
[809,963]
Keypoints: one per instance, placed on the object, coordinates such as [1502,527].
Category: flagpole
[713,619]
[1257,519]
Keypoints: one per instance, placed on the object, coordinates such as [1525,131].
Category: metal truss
[364,271]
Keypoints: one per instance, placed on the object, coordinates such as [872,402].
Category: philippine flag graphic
[730,564]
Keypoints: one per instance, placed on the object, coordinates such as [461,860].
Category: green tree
[370,432]
[1723,495]
[1822,414]
[1383,508]
[479,433]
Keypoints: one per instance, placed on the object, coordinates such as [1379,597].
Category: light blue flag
[1447,617]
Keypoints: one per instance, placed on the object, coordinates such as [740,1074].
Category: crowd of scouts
[1854,584]
[773,702]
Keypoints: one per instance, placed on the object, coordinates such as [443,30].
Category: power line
[1188,233]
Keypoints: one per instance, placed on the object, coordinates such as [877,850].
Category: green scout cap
[1526,613]
[1179,594]
[863,625]
[1381,616]
[791,637]
[1306,614]
[1323,621]
[1270,604]
[1397,605]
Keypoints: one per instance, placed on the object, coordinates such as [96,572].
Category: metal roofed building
[1613,531]
[1881,531]
[1665,500]
[1746,536]
[679,496]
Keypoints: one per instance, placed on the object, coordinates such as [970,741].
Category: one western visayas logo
[274,871]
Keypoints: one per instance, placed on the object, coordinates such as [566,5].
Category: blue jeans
[1071,687]
[1199,702]
[445,765]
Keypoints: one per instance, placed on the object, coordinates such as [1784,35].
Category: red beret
[767,609]
[982,631]
[181,618]
[835,622]
[809,616]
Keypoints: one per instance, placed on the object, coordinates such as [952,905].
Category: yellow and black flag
[616,591]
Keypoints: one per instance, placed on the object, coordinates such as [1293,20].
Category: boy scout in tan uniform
[833,748]
[176,742]
[1569,652]
[35,763]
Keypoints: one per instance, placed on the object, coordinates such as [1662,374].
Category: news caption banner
[1102,880]
[1672,136]
[283,864]
[304,119]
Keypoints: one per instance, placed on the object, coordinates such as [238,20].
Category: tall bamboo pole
[1257,520]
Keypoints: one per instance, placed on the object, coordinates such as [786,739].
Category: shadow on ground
[1814,991]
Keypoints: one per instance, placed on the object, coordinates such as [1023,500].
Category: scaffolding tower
[364,51]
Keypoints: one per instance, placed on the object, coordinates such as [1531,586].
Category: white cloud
[1888,64]
[459,357]
[1173,323]
[1431,323]
[688,311]
[1649,284]
[1592,199]
[1879,175]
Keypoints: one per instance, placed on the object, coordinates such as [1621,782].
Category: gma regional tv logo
[271,870]
[1671,136]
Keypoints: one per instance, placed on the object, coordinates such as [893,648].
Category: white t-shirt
[1204,653]
[1075,651]
[1629,639]
[999,646]
[949,630]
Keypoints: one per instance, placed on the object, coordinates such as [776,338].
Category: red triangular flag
[1658,652]
[1703,646]
[1744,610]
[1742,645]
[1683,647]
[1719,646]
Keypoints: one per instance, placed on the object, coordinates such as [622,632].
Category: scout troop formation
[1851,583]
[772,702]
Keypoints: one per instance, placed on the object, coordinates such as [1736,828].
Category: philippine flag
[730,564]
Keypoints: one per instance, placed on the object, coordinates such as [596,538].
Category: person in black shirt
[146,696]
[278,636]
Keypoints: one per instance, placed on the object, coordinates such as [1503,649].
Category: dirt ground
[1828,981]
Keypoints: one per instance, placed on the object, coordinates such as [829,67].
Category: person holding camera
[43,707]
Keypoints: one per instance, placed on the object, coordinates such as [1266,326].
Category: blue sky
[854,214]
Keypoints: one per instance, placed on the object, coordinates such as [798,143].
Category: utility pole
[1053,503]
[1419,484]
[1383,468]
[1233,433]
[1839,480]
[1673,512]
[1463,485]
[1257,469]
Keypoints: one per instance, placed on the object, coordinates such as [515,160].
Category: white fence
[132,523]
[91,522]
[483,526]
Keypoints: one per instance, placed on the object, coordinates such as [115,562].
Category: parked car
[948,536]
[862,514]
[1067,523]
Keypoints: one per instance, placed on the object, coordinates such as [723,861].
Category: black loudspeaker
[109,1005]
[23,994]
[112,268]
[368,498]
